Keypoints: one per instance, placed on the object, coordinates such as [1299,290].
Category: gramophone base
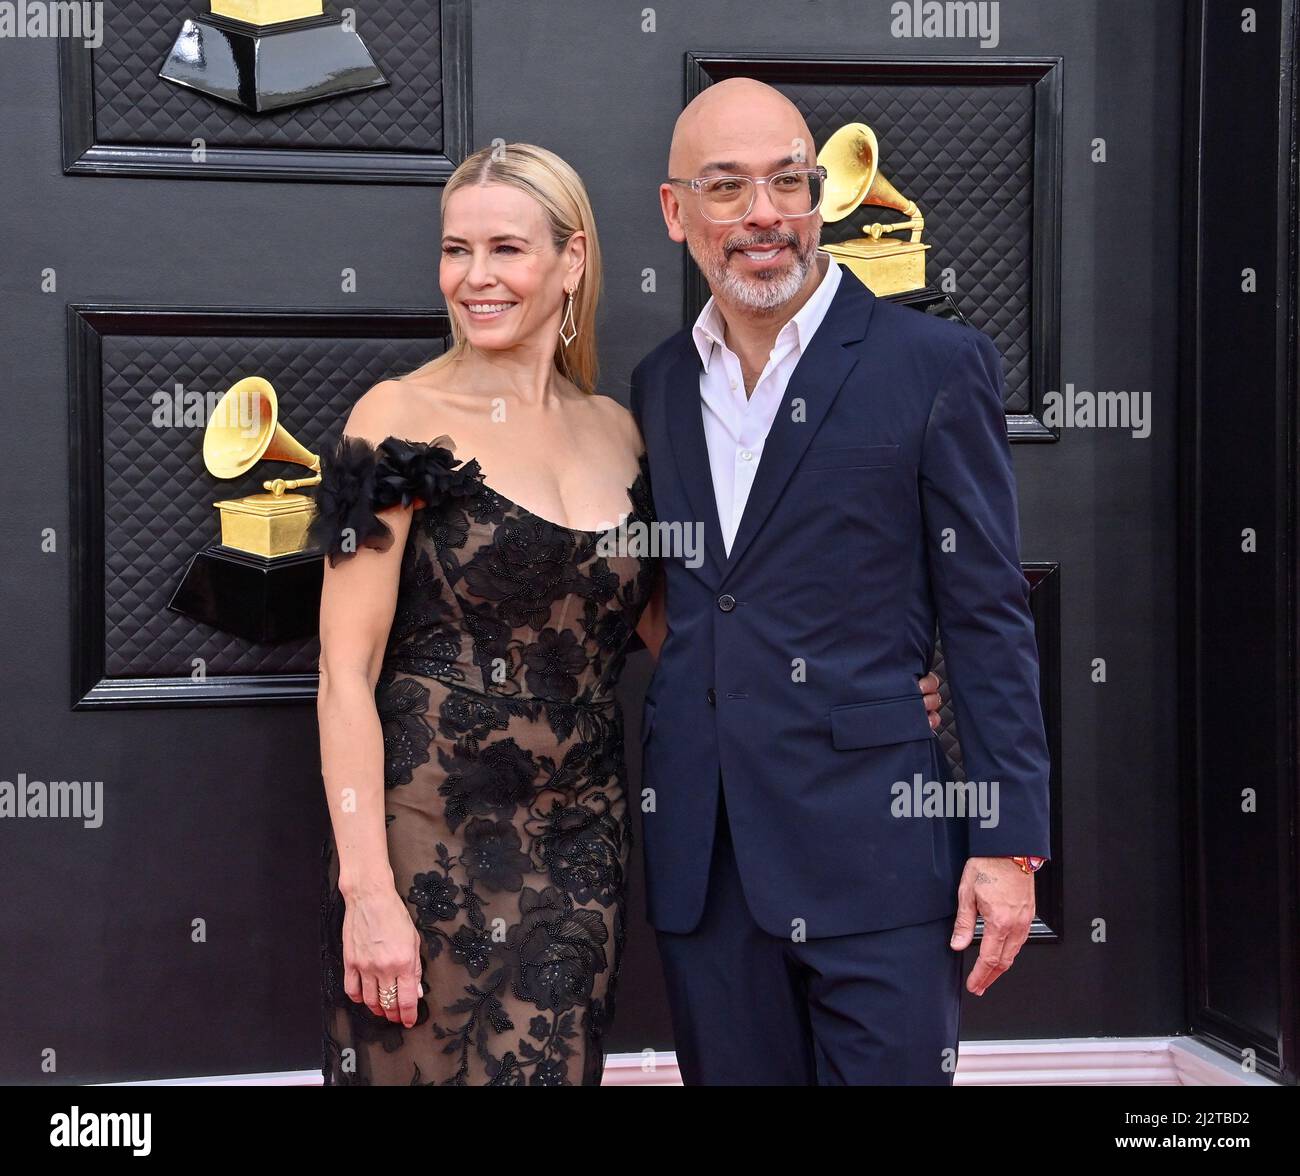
[266,525]
[268,67]
[885,266]
[262,600]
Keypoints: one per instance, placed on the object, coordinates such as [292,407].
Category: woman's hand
[381,946]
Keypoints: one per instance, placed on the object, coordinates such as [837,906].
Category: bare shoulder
[389,409]
[618,419]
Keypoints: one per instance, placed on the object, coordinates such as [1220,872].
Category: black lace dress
[507,823]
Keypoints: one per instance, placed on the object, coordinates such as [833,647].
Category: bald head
[739,124]
[763,262]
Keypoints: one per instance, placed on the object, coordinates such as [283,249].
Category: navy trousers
[749,1008]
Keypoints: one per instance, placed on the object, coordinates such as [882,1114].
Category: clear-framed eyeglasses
[723,199]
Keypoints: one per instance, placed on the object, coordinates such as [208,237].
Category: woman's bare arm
[358,599]
[381,945]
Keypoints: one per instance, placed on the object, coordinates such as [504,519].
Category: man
[848,460]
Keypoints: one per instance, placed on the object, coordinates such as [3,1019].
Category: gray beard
[759,293]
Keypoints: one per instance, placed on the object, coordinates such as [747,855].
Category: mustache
[757,240]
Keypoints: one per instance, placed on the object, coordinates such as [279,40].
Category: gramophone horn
[851,158]
[236,440]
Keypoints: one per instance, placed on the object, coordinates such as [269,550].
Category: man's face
[762,261]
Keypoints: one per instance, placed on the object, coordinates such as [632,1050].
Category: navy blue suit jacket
[884,501]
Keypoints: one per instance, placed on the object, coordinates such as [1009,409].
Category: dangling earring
[572,332]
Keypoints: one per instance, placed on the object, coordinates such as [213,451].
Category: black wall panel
[217,812]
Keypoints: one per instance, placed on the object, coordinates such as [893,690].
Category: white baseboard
[1081,1061]
[1099,1061]
[1076,1061]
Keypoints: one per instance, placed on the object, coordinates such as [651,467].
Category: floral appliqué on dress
[504,774]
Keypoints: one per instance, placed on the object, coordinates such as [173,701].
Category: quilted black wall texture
[158,494]
[963,153]
[976,142]
[134,105]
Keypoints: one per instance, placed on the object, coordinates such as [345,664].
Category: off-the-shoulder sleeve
[358,479]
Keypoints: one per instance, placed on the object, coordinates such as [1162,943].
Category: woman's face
[500,272]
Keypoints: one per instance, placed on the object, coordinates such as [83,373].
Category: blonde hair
[550,181]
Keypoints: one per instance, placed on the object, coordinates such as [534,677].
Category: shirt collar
[710,329]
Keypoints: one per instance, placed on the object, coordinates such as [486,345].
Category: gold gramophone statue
[260,581]
[885,264]
[890,267]
[263,55]
[244,430]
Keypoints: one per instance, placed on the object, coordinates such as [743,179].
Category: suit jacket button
[726,602]
[712,696]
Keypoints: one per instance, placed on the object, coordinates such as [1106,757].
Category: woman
[471,745]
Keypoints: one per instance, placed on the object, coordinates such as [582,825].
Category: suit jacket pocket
[880,721]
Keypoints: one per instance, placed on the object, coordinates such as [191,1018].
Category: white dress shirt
[736,425]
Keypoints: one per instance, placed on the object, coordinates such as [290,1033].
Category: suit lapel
[816,381]
[685,426]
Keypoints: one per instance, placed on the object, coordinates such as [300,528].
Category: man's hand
[929,687]
[1003,893]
